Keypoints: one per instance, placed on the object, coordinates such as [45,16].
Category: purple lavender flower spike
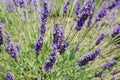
[9,6]
[1,35]
[77,11]
[89,57]
[116,31]
[48,67]
[109,65]
[54,57]
[87,11]
[8,37]
[66,7]
[35,3]
[43,29]
[10,76]
[22,3]
[58,36]
[39,45]
[16,2]
[64,47]
[102,13]
[101,38]
[28,1]
[18,47]
[99,75]
[12,51]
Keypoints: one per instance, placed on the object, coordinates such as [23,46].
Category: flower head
[101,38]
[66,7]
[10,76]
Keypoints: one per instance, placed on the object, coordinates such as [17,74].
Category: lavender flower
[58,36]
[9,6]
[35,3]
[48,67]
[53,59]
[43,29]
[10,76]
[1,35]
[18,47]
[116,31]
[77,11]
[89,57]
[116,72]
[99,75]
[109,65]
[28,1]
[64,47]
[101,38]
[115,4]
[87,11]
[39,44]
[12,51]
[66,7]
[102,13]
[8,37]
[22,3]
[16,2]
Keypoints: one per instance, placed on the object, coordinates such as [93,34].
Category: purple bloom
[43,29]
[109,65]
[12,51]
[39,45]
[87,11]
[58,36]
[28,1]
[53,59]
[89,57]
[77,11]
[66,7]
[8,37]
[22,3]
[116,31]
[35,3]
[116,72]
[9,6]
[10,76]
[115,4]
[64,47]
[100,39]
[102,13]
[1,35]
[18,47]
[99,75]
[16,2]
[48,67]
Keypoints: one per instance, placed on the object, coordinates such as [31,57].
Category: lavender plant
[59,39]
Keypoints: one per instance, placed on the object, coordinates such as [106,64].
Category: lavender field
[59,39]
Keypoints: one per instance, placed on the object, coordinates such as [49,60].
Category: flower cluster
[87,12]
[101,38]
[10,76]
[89,57]
[66,7]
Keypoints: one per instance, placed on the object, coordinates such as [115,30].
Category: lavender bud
[109,65]
[89,57]
[102,13]
[35,3]
[18,47]
[64,47]
[9,6]
[77,49]
[43,29]
[22,3]
[66,7]
[116,31]
[1,35]
[12,51]
[8,37]
[10,76]
[39,45]
[99,75]
[16,2]
[77,11]
[48,67]
[101,38]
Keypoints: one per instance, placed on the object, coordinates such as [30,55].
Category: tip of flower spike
[10,76]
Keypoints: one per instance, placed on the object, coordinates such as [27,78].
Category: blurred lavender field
[59,39]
